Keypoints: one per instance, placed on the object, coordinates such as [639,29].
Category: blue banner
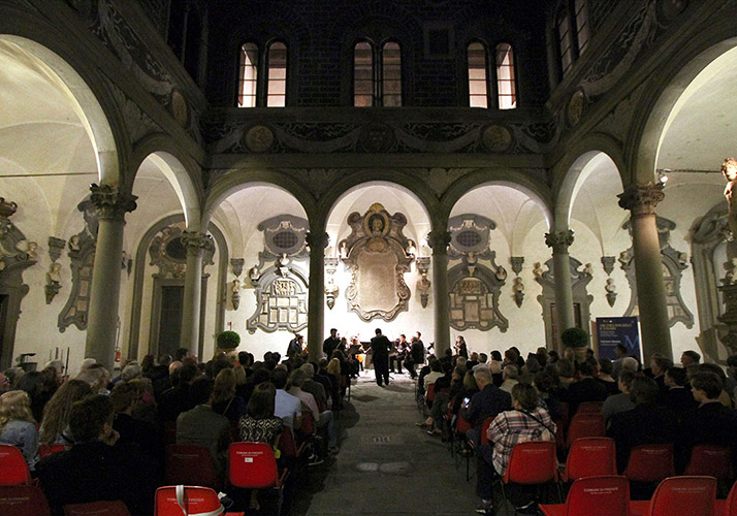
[611,331]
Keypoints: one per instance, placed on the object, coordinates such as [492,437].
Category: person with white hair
[510,374]
[131,371]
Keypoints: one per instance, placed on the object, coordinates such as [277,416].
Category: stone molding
[559,241]
[641,199]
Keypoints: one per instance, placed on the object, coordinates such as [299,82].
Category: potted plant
[576,339]
[228,342]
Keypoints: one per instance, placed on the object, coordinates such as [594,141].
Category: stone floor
[386,464]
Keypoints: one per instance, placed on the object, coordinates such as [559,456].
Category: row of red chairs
[29,500]
[675,496]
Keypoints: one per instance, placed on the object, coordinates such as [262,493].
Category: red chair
[484,428]
[13,467]
[187,501]
[532,463]
[23,500]
[44,450]
[459,436]
[710,461]
[680,496]
[590,407]
[308,424]
[253,466]
[590,457]
[430,394]
[190,464]
[170,432]
[115,508]
[288,446]
[586,425]
[603,496]
[650,463]
[727,507]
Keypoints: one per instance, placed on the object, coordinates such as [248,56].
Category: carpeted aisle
[386,464]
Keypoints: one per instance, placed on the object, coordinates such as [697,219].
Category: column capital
[439,241]
[317,239]
[641,199]
[560,241]
[196,242]
[110,202]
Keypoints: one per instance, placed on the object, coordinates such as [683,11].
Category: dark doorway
[170,321]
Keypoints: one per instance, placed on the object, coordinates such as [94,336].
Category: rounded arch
[658,108]
[85,85]
[180,169]
[505,177]
[235,180]
[410,185]
[572,172]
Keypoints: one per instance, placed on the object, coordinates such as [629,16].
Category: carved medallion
[575,107]
[259,138]
[497,138]
[376,138]
[670,9]
[179,108]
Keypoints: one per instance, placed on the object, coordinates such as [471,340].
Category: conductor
[380,345]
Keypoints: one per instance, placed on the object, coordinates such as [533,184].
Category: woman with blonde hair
[224,400]
[56,412]
[17,426]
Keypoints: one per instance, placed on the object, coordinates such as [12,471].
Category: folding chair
[680,496]
[727,507]
[190,464]
[650,463]
[459,436]
[104,508]
[430,395]
[532,463]
[607,495]
[23,500]
[253,466]
[44,450]
[585,425]
[13,467]
[288,446]
[590,457]
[187,501]
[590,407]
[710,461]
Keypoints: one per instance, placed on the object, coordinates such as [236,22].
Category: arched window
[248,76]
[377,74]
[478,93]
[363,74]
[276,89]
[572,26]
[391,91]
[505,84]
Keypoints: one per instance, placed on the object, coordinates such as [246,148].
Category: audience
[488,402]
[17,425]
[55,422]
[622,402]
[224,399]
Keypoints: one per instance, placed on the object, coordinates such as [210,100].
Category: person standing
[331,343]
[295,346]
[416,355]
[380,346]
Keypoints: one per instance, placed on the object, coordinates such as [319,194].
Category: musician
[380,346]
[399,354]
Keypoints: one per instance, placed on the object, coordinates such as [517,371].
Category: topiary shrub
[228,340]
[575,338]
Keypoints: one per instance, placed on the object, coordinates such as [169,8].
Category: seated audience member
[647,423]
[658,366]
[287,407]
[35,384]
[488,402]
[96,468]
[621,402]
[605,377]
[566,374]
[176,400]
[323,419]
[724,397]
[509,375]
[97,376]
[224,399]
[260,425]
[546,383]
[241,383]
[586,389]
[678,397]
[712,422]
[54,425]
[531,368]
[126,396]
[313,387]
[436,371]
[202,426]
[17,426]
[690,357]
[525,422]
[497,377]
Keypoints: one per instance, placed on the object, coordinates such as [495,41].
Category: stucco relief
[377,259]
[139,124]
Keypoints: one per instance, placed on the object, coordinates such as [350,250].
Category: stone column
[560,241]
[641,201]
[195,244]
[439,242]
[317,241]
[102,315]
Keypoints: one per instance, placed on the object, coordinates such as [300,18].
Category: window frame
[377,71]
[267,81]
[487,74]
[513,80]
[567,11]
[262,70]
